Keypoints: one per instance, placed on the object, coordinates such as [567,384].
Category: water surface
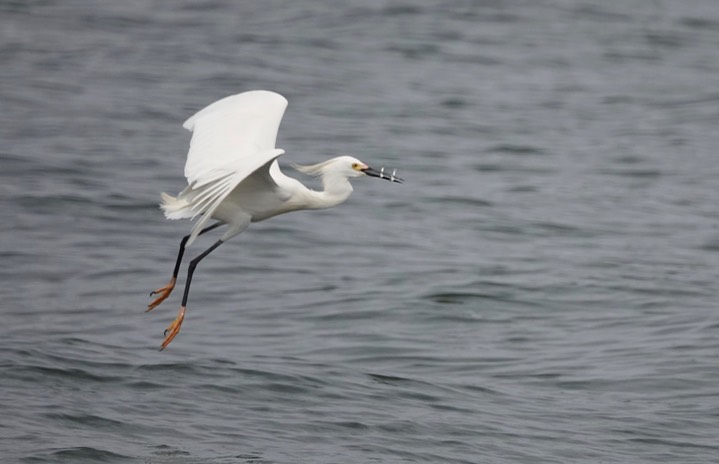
[542,289]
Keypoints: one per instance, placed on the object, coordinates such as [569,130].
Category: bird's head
[348,167]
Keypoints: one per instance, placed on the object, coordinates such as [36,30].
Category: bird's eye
[355,165]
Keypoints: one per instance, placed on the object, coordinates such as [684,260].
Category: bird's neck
[336,190]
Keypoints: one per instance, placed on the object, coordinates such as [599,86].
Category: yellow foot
[173,329]
[163,293]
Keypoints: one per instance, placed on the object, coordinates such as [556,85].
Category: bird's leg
[164,292]
[174,328]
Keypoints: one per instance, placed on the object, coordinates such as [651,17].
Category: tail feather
[174,207]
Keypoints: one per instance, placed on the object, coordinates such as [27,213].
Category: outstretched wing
[231,139]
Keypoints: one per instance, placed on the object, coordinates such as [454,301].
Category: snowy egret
[234,178]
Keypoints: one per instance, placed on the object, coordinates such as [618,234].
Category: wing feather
[231,134]
[231,139]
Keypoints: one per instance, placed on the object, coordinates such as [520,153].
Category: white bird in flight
[234,178]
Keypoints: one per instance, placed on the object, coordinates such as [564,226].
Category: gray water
[542,289]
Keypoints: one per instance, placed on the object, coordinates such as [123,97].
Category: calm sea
[542,289]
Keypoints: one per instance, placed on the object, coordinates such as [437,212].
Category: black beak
[383,175]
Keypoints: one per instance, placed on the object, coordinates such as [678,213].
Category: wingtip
[189,124]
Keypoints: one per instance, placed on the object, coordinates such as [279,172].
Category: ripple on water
[78,454]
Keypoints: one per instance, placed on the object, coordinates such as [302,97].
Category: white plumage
[231,139]
[233,177]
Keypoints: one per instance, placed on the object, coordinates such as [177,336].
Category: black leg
[174,328]
[165,291]
[182,247]
[191,269]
